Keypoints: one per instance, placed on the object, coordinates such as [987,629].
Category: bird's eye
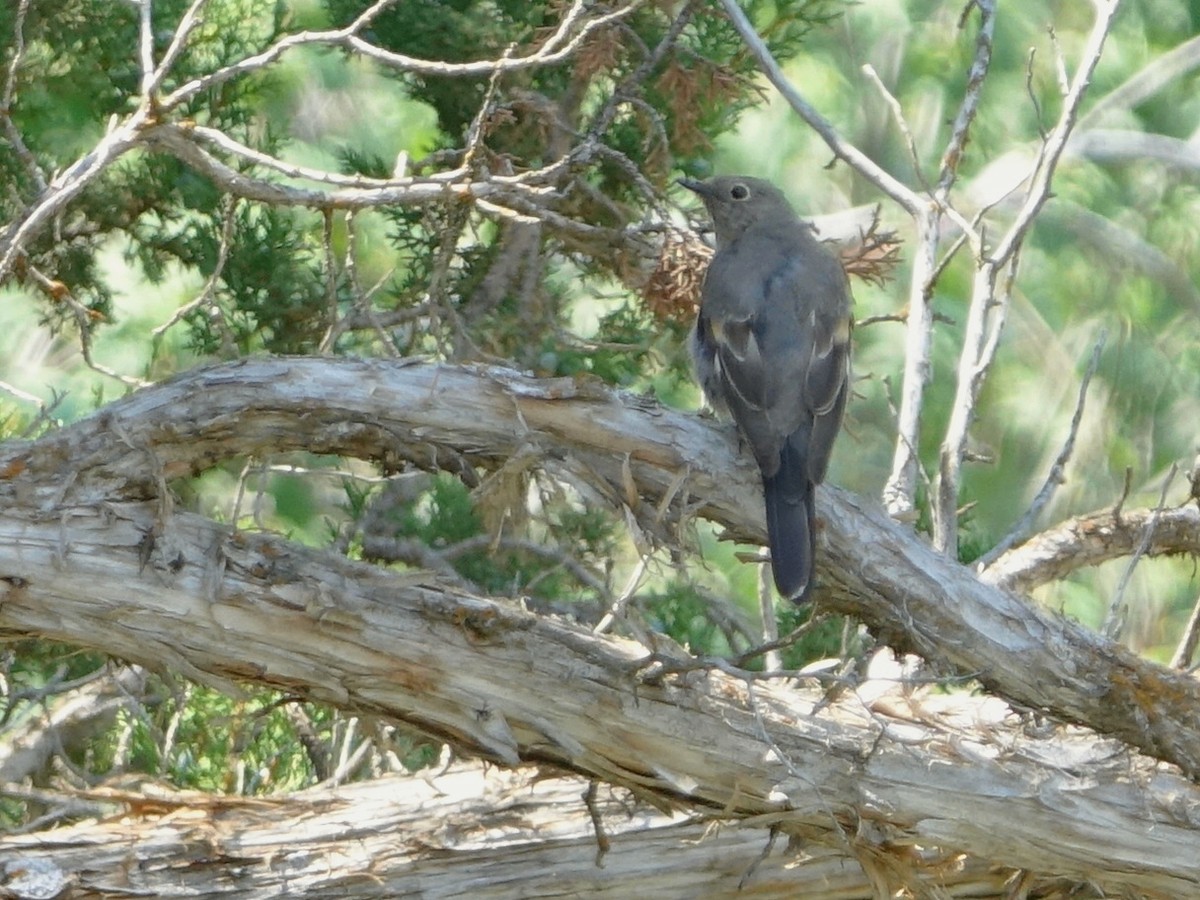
[739,192]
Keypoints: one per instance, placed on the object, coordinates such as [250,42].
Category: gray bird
[771,346]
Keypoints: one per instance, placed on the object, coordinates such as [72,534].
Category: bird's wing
[733,311]
[736,318]
[825,303]
[776,323]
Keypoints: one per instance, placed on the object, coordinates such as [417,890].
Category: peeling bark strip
[883,774]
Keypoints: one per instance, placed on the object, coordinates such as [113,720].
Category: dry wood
[98,558]
[467,832]
[461,419]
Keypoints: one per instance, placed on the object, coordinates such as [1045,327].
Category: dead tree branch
[467,419]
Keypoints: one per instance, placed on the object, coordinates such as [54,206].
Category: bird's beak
[696,187]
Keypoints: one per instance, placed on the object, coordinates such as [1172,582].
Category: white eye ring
[739,192]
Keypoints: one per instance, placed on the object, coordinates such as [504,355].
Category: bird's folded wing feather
[780,327]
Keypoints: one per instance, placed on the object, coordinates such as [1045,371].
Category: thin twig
[1032,94]
[363,313]
[1047,163]
[780,643]
[1126,486]
[210,284]
[912,202]
[972,94]
[1024,527]
[992,288]
[899,493]
[178,141]
[772,661]
[1060,62]
[603,844]
[910,143]
[474,138]
[8,98]
[1182,657]
[617,608]
[1114,620]
[84,318]
[331,282]
[190,21]
[553,51]
[22,395]
[67,185]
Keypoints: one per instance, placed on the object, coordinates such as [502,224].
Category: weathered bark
[628,451]
[1094,539]
[98,558]
[467,832]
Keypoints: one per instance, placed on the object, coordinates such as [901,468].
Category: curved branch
[358,193]
[222,606]
[556,48]
[67,185]
[627,450]
[1094,539]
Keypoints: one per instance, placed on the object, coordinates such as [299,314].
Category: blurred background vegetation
[92,311]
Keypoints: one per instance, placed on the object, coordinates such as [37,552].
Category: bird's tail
[789,500]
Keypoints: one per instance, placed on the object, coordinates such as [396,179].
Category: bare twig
[910,143]
[617,608]
[152,80]
[991,290]
[1039,189]
[84,320]
[842,149]
[961,129]
[1182,657]
[206,293]
[1126,487]
[772,661]
[556,49]
[1032,94]
[66,186]
[497,196]
[899,493]
[1024,525]
[1060,62]
[1114,620]
[603,843]
[25,396]
[331,281]
[9,96]
[177,140]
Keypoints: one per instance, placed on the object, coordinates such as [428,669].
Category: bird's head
[736,202]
